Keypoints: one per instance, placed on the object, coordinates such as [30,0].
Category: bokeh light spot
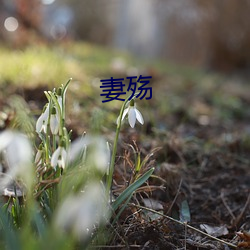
[58,31]
[47,2]
[11,24]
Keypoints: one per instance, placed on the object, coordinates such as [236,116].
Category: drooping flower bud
[42,121]
[54,121]
[133,114]
[59,157]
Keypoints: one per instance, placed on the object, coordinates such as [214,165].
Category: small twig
[227,207]
[149,188]
[48,185]
[175,198]
[57,180]
[185,242]
[183,224]
[116,246]
[117,233]
[239,217]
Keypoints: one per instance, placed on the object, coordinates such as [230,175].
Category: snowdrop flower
[79,214]
[17,152]
[42,122]
[54,121]
[59,157]
[39,154]
[77,149]
[133,114]
[98,152]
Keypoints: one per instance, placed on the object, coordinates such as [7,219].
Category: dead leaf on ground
[245,236]
[215,231]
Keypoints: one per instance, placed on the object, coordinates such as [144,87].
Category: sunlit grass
[43,64]
[37,65]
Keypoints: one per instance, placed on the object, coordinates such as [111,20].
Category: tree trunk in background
[214,33]
[229,35]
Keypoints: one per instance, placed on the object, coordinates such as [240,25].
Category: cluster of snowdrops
[66,186]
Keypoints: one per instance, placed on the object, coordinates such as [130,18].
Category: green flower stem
[65,87]
[47,137]
[54,142]
[112,163]
[46,147]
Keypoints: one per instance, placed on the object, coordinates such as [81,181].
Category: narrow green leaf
[39,222]
[128,191]
[122,209]
[10,236]
[138,163]
[65,87]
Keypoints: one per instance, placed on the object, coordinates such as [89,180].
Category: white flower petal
[59,99]
[19,151]
[46,113]
[18,155]
[63,158]
[79,214]
[98,152]
[42,121]
[5,139]
[101,155]
[133,114]
[38,156]
[139,116]
[39,123]
[61,163]
[59,158]
[125,112]
[64,154]
[132,117]
[55,156]
[44,127]
[77,148]
[54,124]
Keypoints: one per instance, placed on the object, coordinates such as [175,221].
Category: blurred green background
[197,52]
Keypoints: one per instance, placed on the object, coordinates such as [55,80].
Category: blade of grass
[128,191]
